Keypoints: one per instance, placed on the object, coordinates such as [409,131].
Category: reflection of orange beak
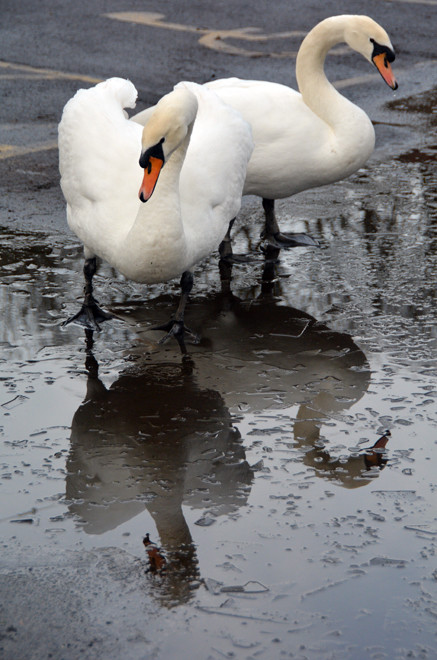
[375,458]
[151,174]
[383,65]
[382,442]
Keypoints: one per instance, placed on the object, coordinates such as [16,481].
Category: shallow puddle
[250,462]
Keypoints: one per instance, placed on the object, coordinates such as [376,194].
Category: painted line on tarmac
[11,151]
[23,70]
[13,71]
[433,3]
[213,39]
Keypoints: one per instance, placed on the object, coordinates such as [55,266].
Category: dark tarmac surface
[249,463]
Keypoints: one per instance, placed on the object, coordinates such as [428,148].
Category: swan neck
[160,215]
[317,92]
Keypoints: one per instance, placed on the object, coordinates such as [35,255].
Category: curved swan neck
[316,90]
[159,216]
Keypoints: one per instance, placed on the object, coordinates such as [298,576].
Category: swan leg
[176,327]
[278,239]
[90,315]
[225,249]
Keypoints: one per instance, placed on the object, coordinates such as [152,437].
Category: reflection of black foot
[91,364]
[289,240]
[271,254]
[89,316]
[179,331]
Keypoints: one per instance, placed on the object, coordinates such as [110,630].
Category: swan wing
[98,161]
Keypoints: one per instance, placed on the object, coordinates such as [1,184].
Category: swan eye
[152,152]
[389,55]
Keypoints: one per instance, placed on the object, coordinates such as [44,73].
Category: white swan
[315,137]
[202,146]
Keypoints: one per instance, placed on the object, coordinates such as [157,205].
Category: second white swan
[312,137]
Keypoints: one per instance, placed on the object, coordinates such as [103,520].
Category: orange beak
[151,174]
[383,65]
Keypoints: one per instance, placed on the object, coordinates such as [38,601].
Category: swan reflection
[165,433]
[155,440]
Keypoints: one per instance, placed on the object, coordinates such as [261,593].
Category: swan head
[168,128]
[365,36]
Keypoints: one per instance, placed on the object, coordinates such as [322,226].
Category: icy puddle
[284,468]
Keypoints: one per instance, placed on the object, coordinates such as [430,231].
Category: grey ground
[97,602]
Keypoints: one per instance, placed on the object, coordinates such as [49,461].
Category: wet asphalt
[92,603]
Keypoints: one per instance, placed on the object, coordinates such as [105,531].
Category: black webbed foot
[89,316]
[278,239]
[289,240]
[238,258]
[176,327]
[225,250]
[179,331]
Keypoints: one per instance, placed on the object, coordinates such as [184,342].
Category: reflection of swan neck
[351,472]
[170,523]
[95,389]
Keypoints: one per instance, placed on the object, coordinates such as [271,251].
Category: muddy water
[251,461]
